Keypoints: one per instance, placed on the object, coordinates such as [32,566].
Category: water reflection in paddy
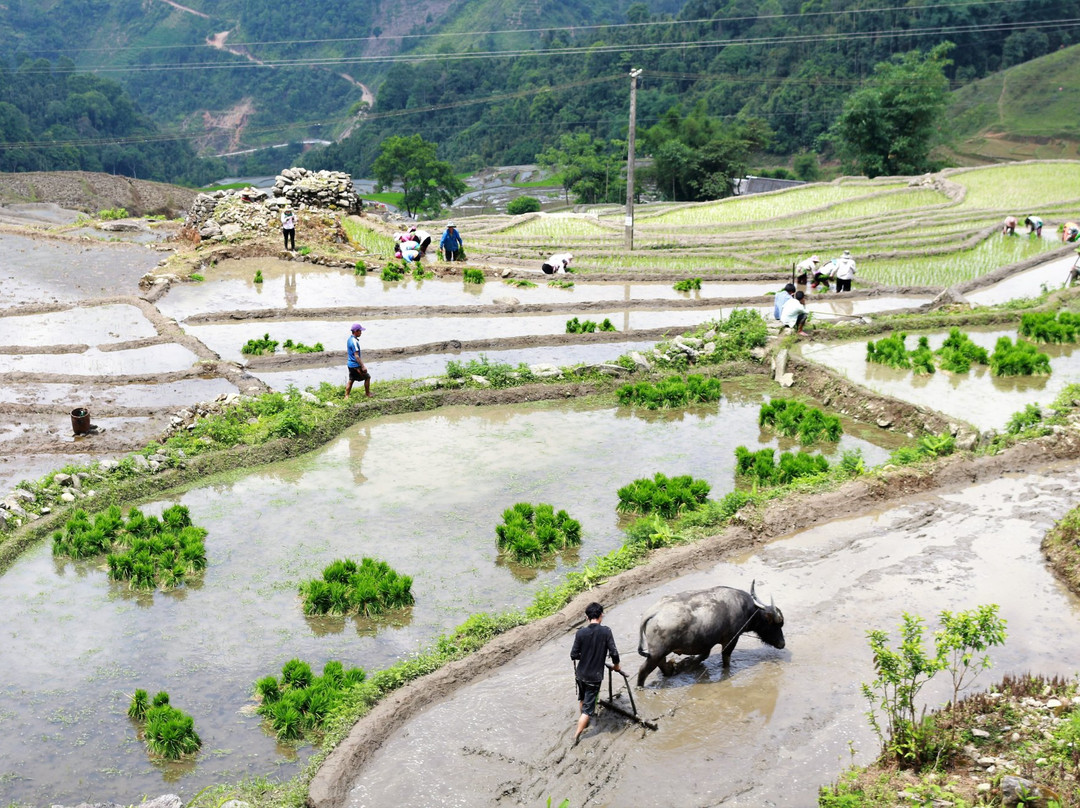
[422,492]
[981,399]
[86,325]
[165,358]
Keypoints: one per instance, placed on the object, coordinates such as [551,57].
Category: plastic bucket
[80,421]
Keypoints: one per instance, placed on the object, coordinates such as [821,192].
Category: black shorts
[587,693]
[357,375]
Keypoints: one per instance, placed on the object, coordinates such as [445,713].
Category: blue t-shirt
[352,348]
[779,300]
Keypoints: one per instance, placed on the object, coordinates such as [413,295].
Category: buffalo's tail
[641,649]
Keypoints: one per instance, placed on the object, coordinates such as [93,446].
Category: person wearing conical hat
[845,272]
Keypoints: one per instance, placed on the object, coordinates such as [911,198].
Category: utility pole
[629,224]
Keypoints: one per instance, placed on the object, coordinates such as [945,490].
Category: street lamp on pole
[629,224]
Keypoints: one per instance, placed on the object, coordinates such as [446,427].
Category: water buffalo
[693,622]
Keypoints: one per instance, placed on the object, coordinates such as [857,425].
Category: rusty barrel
[80,421]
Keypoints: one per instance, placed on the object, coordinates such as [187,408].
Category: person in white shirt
[422,237]
[288,228]
[845,272]
[793,315]
[557,264]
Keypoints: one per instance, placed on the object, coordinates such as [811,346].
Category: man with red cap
[357,370]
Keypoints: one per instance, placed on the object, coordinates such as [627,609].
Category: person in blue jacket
[450,243]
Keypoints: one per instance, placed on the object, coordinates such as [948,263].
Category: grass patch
[496,374]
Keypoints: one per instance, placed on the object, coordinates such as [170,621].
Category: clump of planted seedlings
[574,326]
[797,420]
[169,733]
[145,551]
[521,283]
[666,496]
[761,467]
[958,353]
[368,588]
[891,351]
[674,391]
[392,273]
[529,533]
[1019,359]
[1046,326]
[421,274]
[360,268]
[258,276]
[688,285]
[258,347]
[473,275]
[299,702]
[299,347]
[561,284]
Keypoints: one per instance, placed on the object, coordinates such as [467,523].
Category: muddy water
[422,492]
[289,284]
[164,358]
[777,724]
[1052,275]
[42,271]
[88,325]
[166,394]
[983,400]
[418,367]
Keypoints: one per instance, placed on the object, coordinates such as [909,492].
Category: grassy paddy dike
[270,428]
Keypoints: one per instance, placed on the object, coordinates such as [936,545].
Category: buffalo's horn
[754,597]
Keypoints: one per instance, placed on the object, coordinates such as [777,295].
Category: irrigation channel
[424,492]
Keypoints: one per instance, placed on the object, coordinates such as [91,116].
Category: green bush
[258,347]
[662,495]
[523,204]
[762,468]
[529,534]
[369,588]
[473,275]
[796,420]
[688,284]
[1021,359]
[673,391]
[958,353]
[112,213]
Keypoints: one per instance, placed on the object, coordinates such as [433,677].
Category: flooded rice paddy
[977,397]
[778,724]
[86,325]
[1031,283]
[153,359]
[422,492]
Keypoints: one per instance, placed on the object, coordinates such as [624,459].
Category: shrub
[673,391]
[258,347]
[369,588]
[300,702]
[473,275]
[528,533]
[662,495]
[958,352]
[763,469]
[688,284]
[523,204]
[795,419]
[1021,359]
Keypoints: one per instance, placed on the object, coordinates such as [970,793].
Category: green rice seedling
[370,587]
[922,358]
[795,419]
[688,285]
[1020,359]
[762,468]
[258,347]
[299,347]
[421,274]
[1025,419]
[354,676]
[561,284]
[267,690]
[529,533]
[473,275]
[607,325]
[674,391]
[958,352]
[334,673]
[889,351]
[667,496]
[258,276]
[140,703]
[1048,326]
[521,283]
[392,273]
[296,674]
[288,722]
[161,699]
[170,733]
[360,268]
[574,326]
[195,276]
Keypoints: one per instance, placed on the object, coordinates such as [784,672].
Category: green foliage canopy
[427,183]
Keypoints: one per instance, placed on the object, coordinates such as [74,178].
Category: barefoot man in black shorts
[592,644]
[357,370]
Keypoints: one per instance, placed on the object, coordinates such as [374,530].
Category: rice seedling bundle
[1019,359]
[258,276]
[258,347]
[299,347]
[688,285]
[369,588]
[889,351]
[666,496]
[473,275]
[299,703]
[1047,326]
[922,358]
[421,274]
[761,466]
[168,732]
[521,283]
[529,533]
[673,391]
[561,284]
[144,551]
[958,352]
[795,419]
[575,326]
[392,273]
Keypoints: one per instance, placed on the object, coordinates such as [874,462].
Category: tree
[590,169]
[427,183]
[890,125]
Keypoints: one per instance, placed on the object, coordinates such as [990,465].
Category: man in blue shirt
[357,371]
[450,243]
[782,297]
[592,644]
